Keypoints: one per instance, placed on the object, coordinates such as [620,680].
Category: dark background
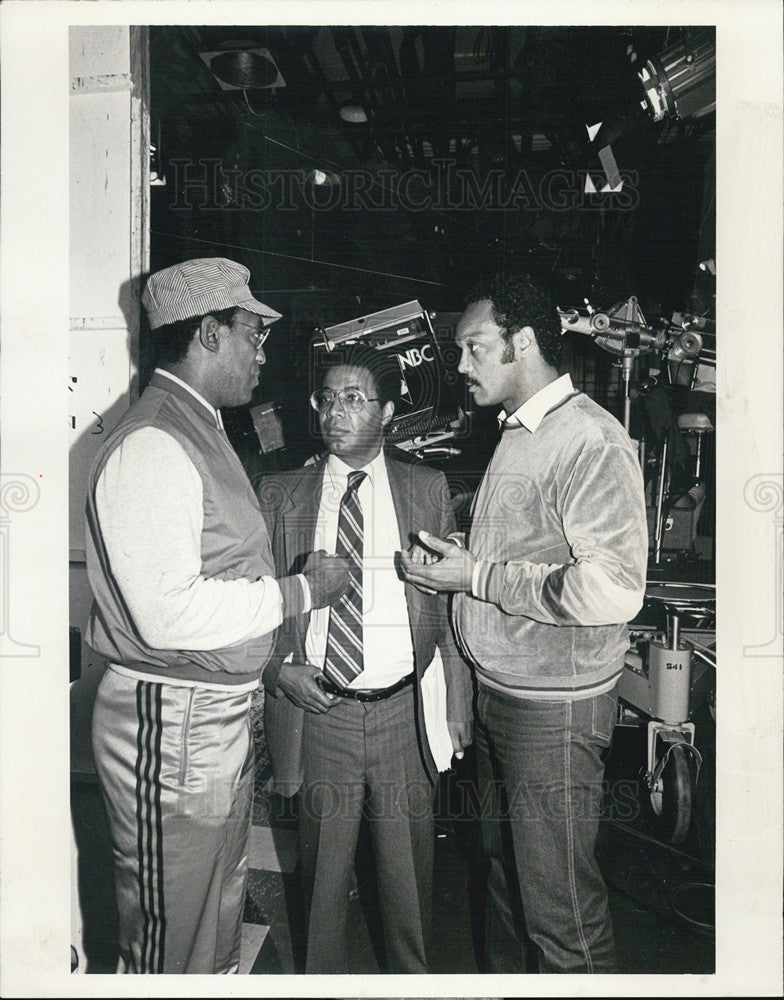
[473,157]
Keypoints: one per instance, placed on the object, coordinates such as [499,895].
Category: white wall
[108,256]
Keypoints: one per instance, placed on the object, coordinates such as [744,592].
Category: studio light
[323,178]
[681,80]
[353,112]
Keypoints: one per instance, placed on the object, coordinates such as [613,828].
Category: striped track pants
[176,771]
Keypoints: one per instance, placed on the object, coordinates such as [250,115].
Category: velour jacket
[290,503]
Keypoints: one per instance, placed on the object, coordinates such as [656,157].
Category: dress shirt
[531,413]
[387,643]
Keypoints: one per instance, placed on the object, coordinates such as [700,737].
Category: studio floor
[661,895]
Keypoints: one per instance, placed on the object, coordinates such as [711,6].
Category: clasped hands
[435,564]
[431,564]
[327,578]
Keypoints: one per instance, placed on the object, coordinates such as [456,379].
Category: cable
[247,104]
[707,212]
[661,913]
[305,260]
[263,117]
[699,925]
[659,843]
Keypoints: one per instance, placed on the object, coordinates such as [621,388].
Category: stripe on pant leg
[149,826]
[148,957]
[140,839]
[159,908]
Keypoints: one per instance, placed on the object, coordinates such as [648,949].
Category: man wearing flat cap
[186,607]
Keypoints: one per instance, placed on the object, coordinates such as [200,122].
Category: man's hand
[462,736]
[327,578]
[298,682]
[451,572]
[421,556]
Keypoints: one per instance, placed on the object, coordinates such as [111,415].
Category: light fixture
[681,80]
[322,178]
[244,69]
[353,112]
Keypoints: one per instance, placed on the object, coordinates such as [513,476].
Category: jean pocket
[603,715]
[481,702]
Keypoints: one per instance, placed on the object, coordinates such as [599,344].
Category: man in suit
[344,710]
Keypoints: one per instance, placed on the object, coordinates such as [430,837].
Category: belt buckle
[376,694]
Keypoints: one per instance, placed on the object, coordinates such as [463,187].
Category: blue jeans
[540,783]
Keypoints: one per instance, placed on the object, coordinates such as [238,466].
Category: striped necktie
[344,658]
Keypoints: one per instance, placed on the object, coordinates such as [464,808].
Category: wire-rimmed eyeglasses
[352,400]
[259,335]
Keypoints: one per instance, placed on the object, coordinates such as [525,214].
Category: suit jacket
[290,503]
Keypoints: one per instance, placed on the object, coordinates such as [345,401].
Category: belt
[365,694]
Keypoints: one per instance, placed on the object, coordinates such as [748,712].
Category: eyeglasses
[352,400]
[259,335]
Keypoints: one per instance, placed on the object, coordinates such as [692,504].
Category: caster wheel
[671,796]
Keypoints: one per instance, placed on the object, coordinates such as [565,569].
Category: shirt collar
[196,395]
[533,410]
[375,470]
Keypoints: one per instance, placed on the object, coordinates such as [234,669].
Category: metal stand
[627,363]
[659,527]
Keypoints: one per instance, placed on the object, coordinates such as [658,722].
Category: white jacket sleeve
[149,503]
